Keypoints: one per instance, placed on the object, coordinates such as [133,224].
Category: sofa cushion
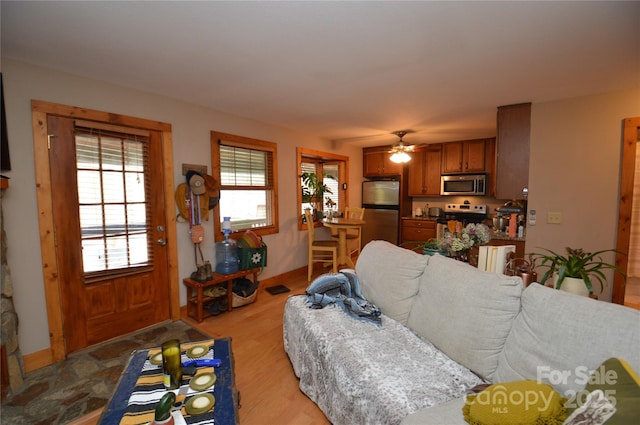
[359,373]
[389,277]
[558,338]
[467,313]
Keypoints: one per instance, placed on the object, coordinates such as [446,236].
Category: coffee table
[227,398]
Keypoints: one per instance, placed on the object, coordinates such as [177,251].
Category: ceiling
[348,71]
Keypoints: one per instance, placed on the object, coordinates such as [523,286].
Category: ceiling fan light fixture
[400,157]
[399,152]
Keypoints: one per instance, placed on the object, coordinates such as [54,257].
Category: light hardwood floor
[269,392]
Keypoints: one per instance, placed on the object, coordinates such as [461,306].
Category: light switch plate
[554,217]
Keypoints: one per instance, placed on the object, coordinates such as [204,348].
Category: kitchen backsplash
[426,203]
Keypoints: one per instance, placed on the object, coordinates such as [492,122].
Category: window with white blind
[112,199]
[328,175]
[330,171]
[248,189]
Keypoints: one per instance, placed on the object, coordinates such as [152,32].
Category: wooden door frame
[630,143]
[39,112]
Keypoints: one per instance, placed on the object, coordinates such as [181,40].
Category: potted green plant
[313,190]
[576,264]
[330,204]
[431,247]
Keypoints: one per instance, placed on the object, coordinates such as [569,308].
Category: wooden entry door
[109,221]
[627,291]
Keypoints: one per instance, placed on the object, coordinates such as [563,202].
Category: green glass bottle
[171,364]
[163,410]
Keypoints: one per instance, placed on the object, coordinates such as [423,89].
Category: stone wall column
[8,315]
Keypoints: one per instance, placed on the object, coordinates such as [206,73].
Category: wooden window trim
[304,153]
[247,143]
[39,112]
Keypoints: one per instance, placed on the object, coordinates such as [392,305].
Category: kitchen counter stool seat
[320,251]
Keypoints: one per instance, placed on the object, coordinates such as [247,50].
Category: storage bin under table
[196,299]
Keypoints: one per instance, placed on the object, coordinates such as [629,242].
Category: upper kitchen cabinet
[424,171]
[512,161]
[464,157]
[376,162]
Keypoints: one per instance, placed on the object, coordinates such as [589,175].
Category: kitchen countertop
[494,234]
[504,237]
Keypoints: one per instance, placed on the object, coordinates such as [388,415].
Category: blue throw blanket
[342,289]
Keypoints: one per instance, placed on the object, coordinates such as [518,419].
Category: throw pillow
[620,384]
[519,402]
[596,410]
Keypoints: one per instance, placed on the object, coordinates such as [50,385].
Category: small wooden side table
[196,299]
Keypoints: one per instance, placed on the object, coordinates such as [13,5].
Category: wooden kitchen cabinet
[416,230]
[376,162]
[424,171]
[512,160]
[464,157]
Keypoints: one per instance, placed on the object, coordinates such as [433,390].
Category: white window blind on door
[112,190]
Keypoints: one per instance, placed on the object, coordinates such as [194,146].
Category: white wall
[575,166]
[576,149]
[191,126]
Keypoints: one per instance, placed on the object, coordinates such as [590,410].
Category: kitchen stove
[466,213]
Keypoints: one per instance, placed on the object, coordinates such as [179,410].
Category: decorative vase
[575,286]
[433,251]
[460,255]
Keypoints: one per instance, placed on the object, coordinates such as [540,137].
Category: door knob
[162,242]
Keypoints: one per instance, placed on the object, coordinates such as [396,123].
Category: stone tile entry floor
[85,381]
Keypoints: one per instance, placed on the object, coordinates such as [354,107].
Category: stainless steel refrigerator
[381,200]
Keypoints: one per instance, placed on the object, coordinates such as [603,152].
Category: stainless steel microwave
[463,184]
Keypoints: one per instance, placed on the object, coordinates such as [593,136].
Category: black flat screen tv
[5,164]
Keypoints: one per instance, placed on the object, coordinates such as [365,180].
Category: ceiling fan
[400,152]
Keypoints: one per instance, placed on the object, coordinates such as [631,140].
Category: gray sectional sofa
[446,327]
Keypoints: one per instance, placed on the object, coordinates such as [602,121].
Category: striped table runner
[149,389]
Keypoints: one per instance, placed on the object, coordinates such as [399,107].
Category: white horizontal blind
[306,167]
[330,175]
[329,178]
[112,201]
[244,167]
[246,178]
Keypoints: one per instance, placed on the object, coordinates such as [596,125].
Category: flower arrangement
[329,203]
[470,236]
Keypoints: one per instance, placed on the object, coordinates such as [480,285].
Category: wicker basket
[238,301]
